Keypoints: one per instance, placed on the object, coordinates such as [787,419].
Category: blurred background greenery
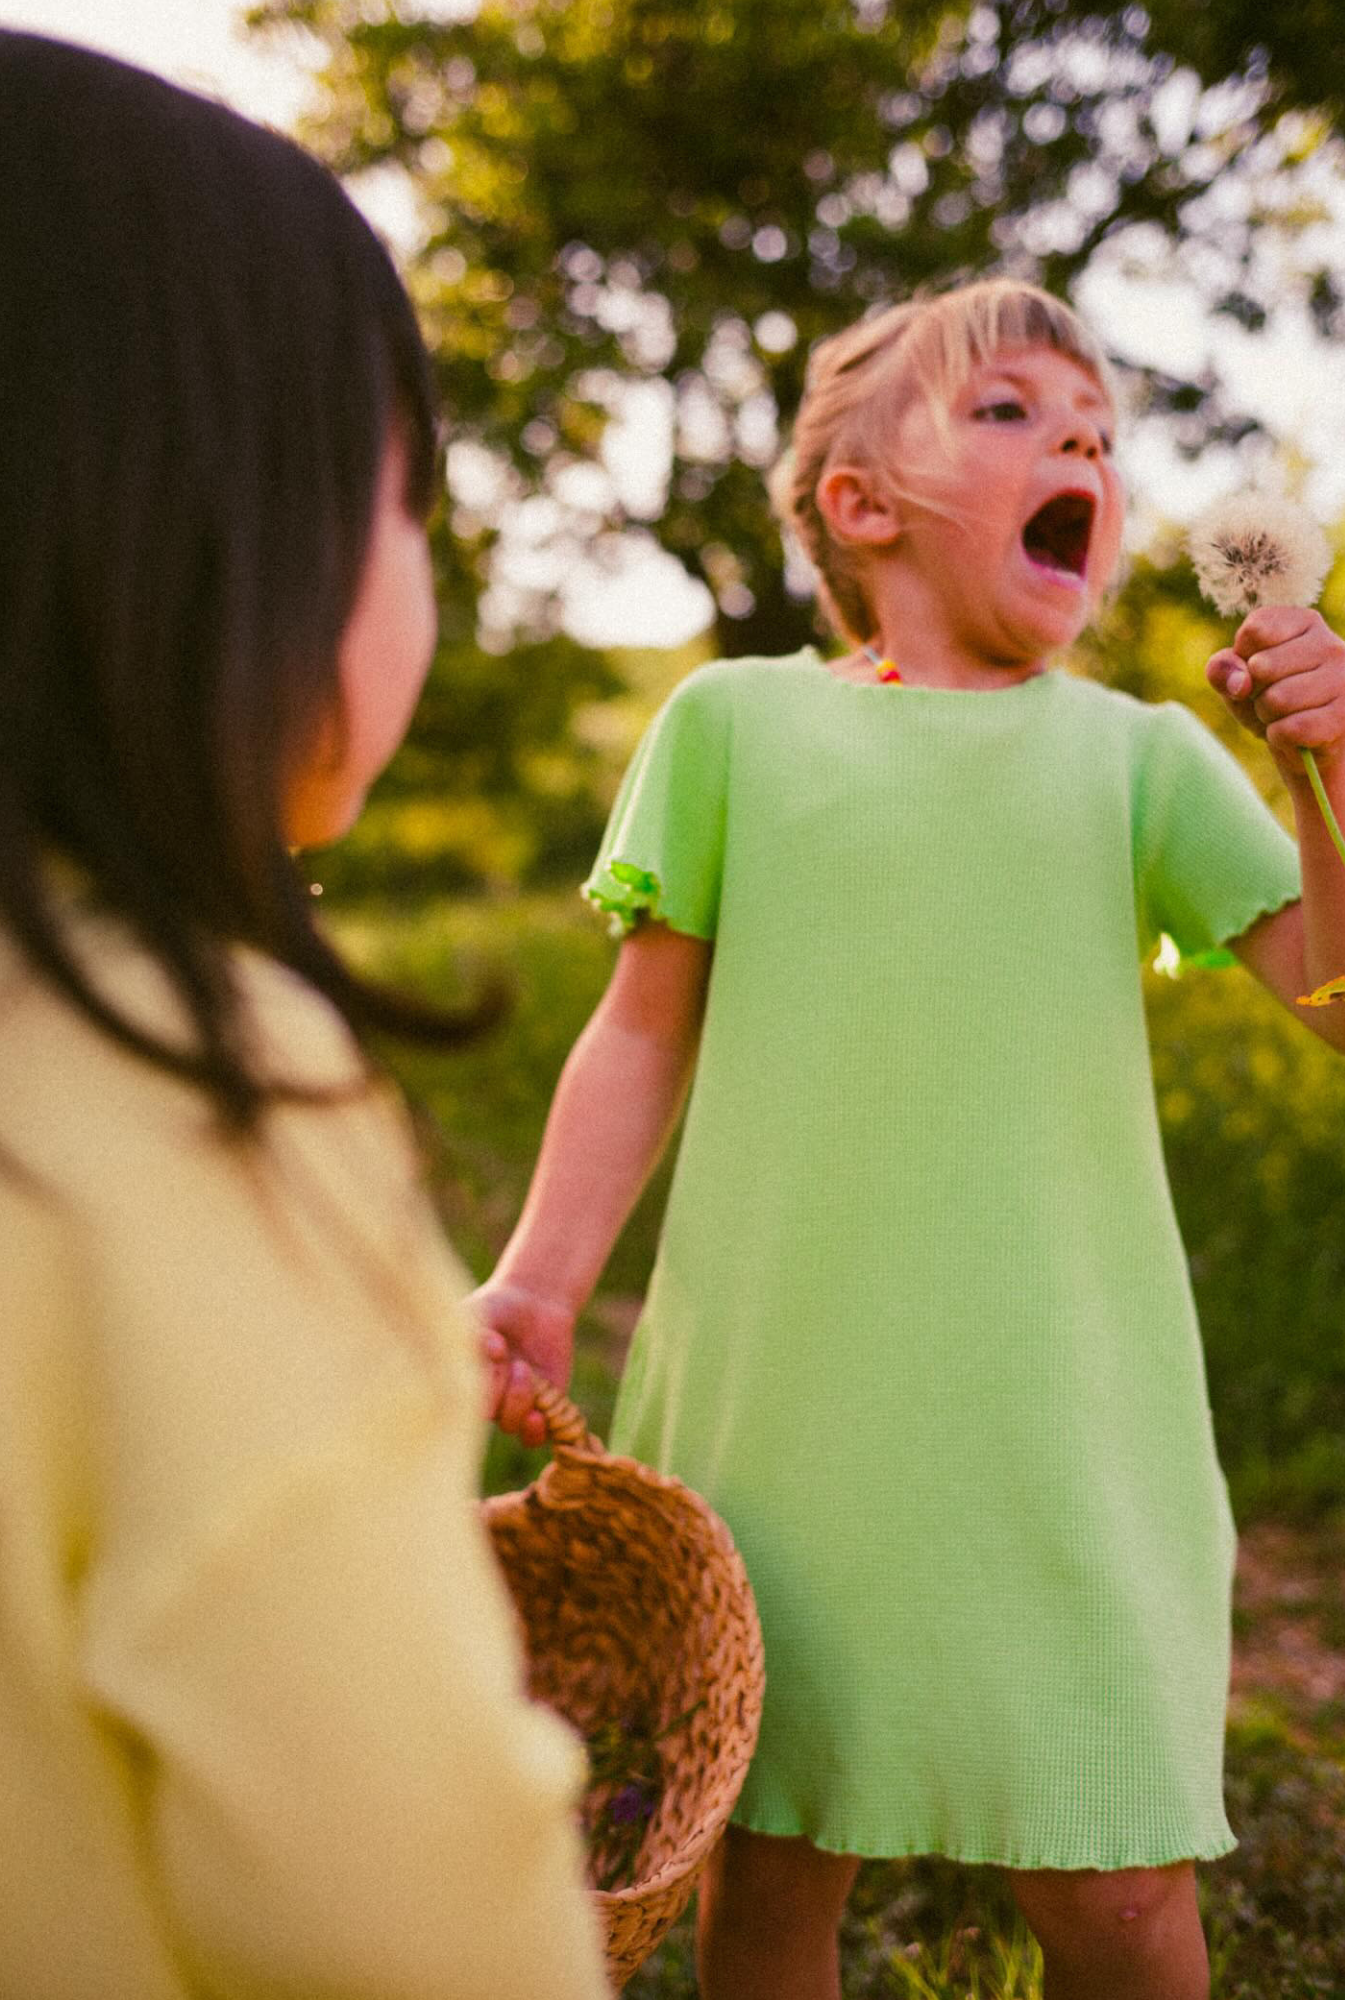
[649,209]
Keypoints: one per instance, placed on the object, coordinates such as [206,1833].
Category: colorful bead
[887,669]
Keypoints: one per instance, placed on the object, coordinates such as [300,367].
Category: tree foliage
[671,199]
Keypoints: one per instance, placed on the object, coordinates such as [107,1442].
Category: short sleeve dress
[920,1326]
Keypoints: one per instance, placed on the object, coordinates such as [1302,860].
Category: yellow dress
[262,1730]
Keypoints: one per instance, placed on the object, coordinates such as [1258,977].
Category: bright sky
[1292,381]
[192,41]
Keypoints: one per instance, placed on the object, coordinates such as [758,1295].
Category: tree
[679,196]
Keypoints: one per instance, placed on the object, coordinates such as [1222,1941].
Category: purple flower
[631,1803]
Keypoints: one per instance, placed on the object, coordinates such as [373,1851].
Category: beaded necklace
[887,669]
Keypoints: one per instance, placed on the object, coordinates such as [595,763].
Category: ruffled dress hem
[873,1847]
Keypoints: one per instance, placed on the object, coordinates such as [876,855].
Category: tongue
[1058,536]
[1040,552]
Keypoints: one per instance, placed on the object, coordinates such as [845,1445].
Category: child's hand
[1284,679]
[522,1332]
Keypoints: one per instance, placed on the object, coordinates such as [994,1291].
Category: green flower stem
[1315,780]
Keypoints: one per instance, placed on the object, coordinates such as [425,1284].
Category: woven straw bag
[635,1605]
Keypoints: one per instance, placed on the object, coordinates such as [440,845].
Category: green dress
[920,1327]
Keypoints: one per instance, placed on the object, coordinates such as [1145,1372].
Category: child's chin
[1048,629]
[324,827]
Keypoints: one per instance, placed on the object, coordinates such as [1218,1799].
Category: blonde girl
[919,1325]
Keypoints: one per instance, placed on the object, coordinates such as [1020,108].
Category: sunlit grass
[920,1929]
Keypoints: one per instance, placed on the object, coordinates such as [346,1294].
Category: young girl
[920,1326]
[261,1723]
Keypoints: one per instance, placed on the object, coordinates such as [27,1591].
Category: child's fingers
[531,1428]
[516,1412]
[494,1352]
[1296,657]
[1294,694]
[1309,729]
[1228,674]
[1284,659]
[511,1384]
[1270,626]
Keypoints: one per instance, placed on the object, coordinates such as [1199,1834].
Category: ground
[1289,1632]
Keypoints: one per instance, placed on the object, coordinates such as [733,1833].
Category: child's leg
[1122,1934]
[768,1916]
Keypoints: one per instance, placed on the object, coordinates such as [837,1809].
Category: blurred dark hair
[204,350]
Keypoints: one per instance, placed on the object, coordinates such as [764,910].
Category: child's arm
[617,1103]
[1284,679]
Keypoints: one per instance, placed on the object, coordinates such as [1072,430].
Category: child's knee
[1066,1906]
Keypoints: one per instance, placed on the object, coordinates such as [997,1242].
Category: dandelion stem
[1315,780]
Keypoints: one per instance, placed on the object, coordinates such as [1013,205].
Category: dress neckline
[897,691]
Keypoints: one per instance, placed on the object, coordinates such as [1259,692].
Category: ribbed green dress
[920,1327]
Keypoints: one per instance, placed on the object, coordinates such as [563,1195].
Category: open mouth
[1058,534]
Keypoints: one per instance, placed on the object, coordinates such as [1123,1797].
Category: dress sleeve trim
[624,893]
[1174,961]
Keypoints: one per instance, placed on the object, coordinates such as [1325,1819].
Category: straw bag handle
[565,1422]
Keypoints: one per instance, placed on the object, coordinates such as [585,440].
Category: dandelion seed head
[1258,547]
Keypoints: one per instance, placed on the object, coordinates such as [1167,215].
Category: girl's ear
[855,508]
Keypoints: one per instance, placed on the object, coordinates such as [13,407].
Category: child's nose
[1082,436]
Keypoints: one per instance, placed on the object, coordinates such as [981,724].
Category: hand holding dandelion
[1260,554]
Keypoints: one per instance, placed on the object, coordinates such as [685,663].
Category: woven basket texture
[636,1609]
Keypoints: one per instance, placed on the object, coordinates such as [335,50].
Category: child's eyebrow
[1021,381]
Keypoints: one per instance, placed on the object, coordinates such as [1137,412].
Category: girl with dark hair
[262,1729]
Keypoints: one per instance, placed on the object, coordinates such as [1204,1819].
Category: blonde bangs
[963,330]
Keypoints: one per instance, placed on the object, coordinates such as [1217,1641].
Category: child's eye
[1011,404]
